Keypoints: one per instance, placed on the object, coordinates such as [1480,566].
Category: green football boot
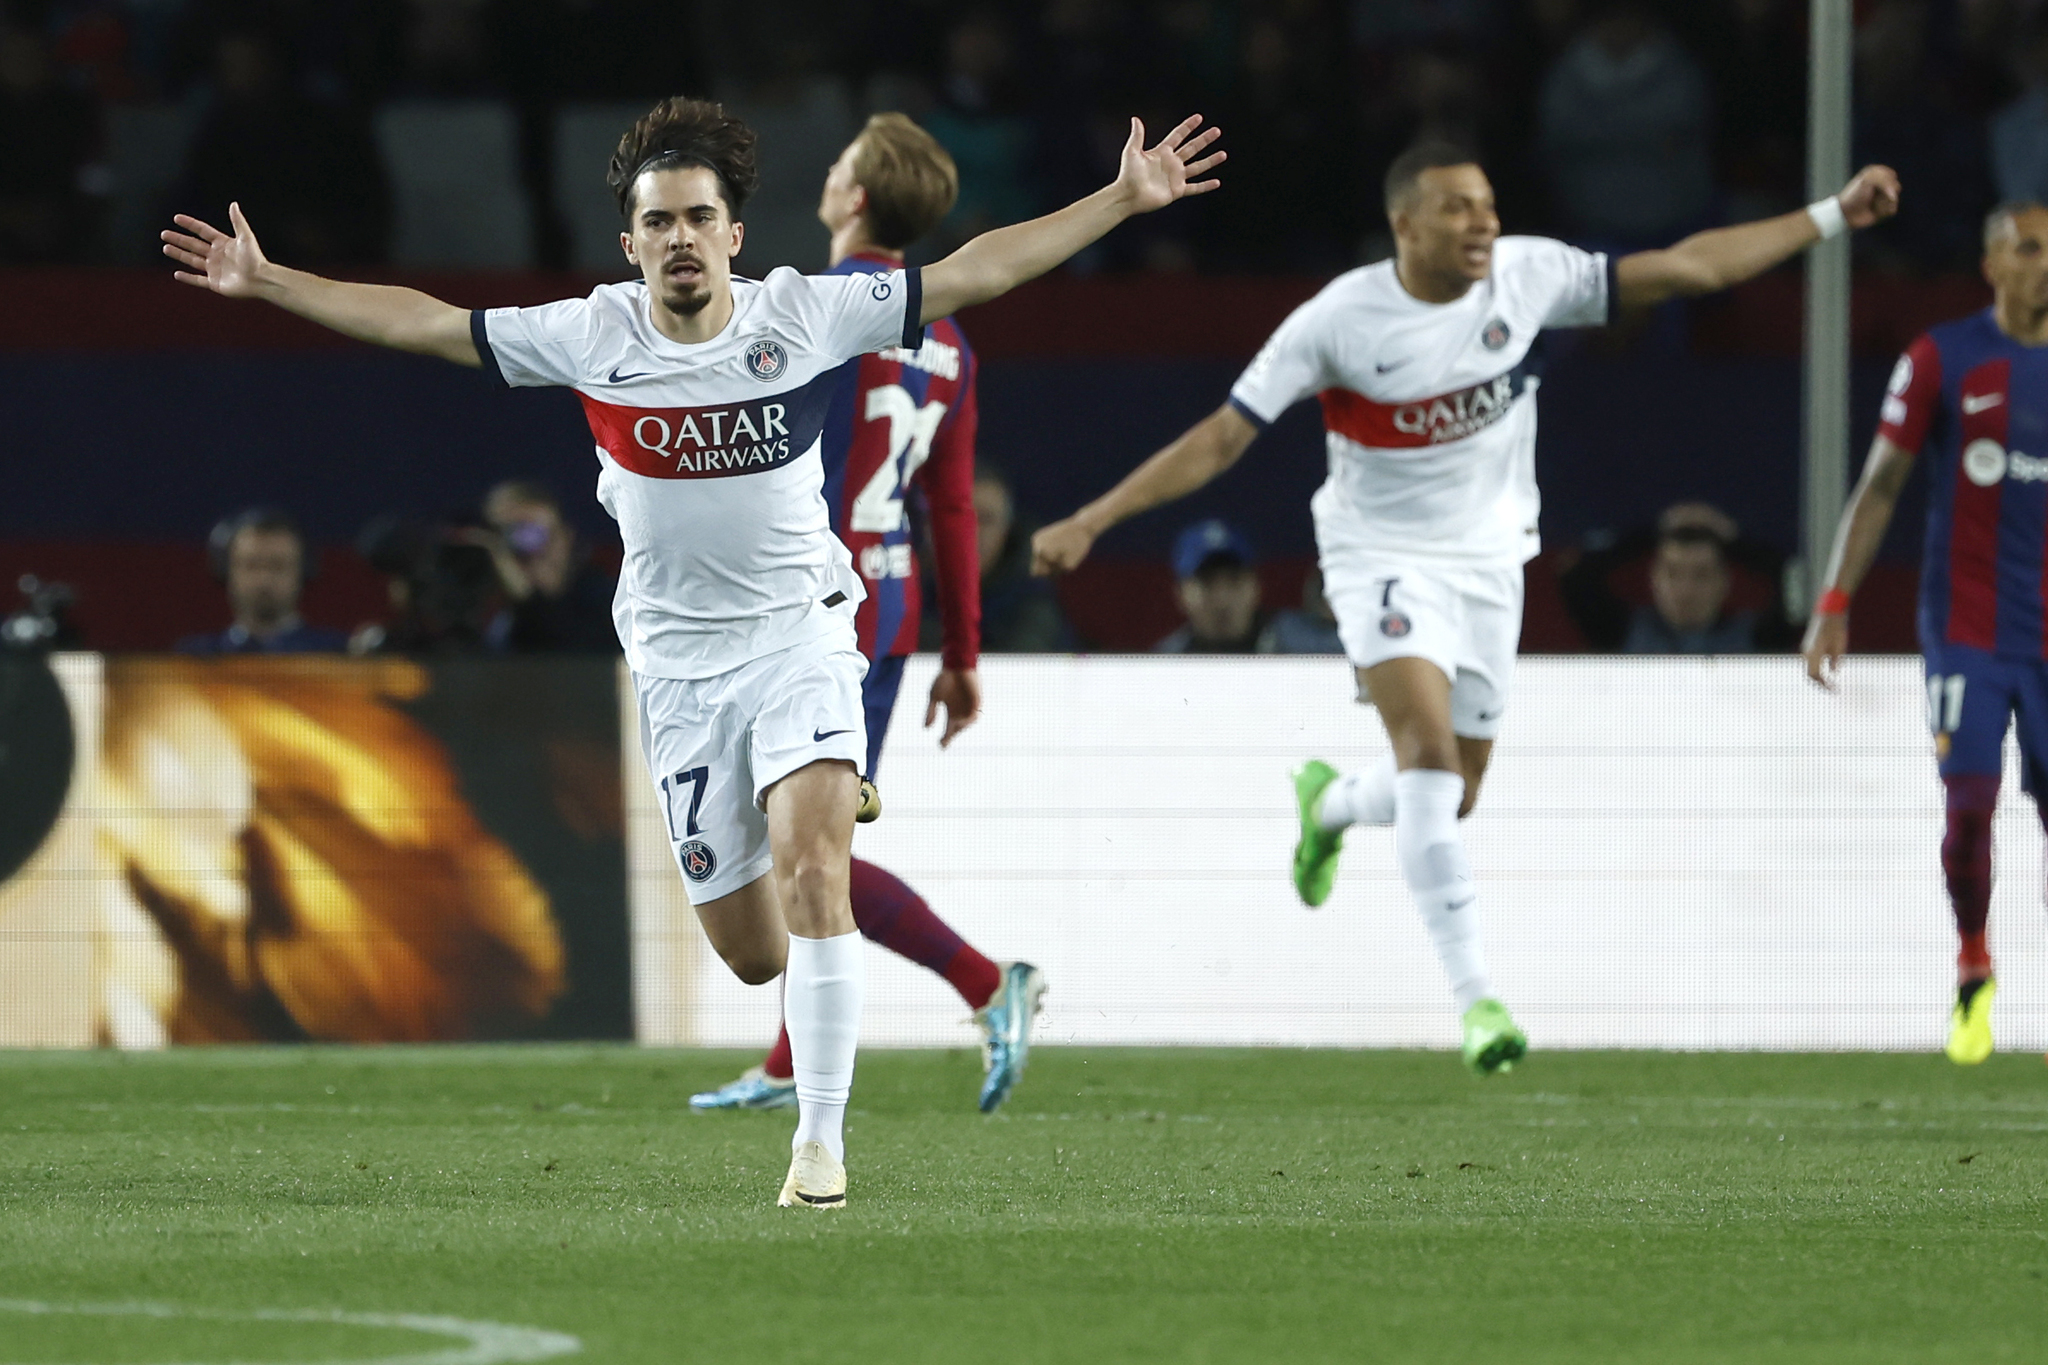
[1492,1042]
[1315,855]
[1969,1023]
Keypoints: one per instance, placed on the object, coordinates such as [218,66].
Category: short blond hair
[910,179]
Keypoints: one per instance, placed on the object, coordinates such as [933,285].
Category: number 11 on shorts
[694,778]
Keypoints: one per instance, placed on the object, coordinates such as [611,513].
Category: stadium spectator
[1757,56]
[1310,628]
[1019,614]
[558,601]
[1287,133]
[977,123]
[262,559]
[49,141]
[1218,589]
[442,583]
[1908,116]
[1694,552]
[307,169]
[1624,125]
[2019,131]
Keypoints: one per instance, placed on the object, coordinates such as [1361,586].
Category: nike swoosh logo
[1977,402]
[820,736]
[618,378]
[1383,369]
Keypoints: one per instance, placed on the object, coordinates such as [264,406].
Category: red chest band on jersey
[713,442]
[1422,421]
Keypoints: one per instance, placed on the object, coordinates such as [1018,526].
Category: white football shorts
[1466,621]
[715,746]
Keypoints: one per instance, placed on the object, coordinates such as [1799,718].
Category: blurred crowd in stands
[517,580]
[473,132]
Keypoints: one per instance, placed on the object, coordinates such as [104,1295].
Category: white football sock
[1365,797]
[821,1007]
[1433,863]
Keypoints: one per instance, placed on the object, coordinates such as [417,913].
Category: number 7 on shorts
[695,778]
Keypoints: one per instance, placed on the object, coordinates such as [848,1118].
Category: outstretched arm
[234,265]
[1709,261]
[1203,451]
[996,262]
[1856,541]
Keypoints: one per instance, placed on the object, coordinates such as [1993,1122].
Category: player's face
[1447,226]
[842,200]
[1689,584]
[263,576]
[683,238]
[2016,264]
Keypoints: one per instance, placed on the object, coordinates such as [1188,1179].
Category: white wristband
[1827,215]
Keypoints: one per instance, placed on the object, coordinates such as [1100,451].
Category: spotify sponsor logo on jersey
[1986,462]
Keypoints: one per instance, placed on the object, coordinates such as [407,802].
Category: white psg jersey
[708,453]
[1429,408]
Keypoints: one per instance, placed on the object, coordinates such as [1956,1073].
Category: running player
[1968,392]
[706,395]
[903,420]
[1428,389]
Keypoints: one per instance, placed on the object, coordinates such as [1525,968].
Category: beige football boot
[815,1181]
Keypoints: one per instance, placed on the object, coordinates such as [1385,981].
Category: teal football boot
[1005,1023]
[754,1090]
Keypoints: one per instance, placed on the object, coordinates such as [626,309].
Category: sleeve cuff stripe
[913,308]
[1613,288]
[1250,416]
[480,334]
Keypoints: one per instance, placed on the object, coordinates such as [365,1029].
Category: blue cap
[1206,540]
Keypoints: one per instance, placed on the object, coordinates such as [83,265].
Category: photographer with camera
[261,558]
[560,602]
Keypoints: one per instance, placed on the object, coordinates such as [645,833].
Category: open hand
[959,691]
[1871,197]
[214,260]
[1152,179]
[1060,547]
[1827,640]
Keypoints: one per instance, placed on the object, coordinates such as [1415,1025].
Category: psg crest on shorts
[766,360]
[697,859]
[1394,625]
[1496,335]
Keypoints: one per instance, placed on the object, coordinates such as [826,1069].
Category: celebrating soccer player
[1429,511]
[707,395]
[1968,392]
[898,420]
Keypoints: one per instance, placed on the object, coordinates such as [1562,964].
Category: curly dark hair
[681,131]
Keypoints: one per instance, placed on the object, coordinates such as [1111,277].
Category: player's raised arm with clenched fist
[1148,178]
[232,264]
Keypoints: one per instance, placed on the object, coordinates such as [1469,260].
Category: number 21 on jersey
[878,507]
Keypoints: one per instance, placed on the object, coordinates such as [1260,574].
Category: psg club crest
[1394,625]
[697,859]
[766,360]
[1496,335]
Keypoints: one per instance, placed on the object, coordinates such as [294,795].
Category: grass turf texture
[1126,1206]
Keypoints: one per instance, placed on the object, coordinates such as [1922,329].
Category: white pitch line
[486,1343]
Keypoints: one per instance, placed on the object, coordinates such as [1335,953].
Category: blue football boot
[754,1090]
[1005,1023]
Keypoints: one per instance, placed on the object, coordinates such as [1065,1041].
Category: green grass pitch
[1198,1206]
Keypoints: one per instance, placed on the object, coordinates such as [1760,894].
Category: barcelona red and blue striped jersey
[898,421]
[1976,403]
